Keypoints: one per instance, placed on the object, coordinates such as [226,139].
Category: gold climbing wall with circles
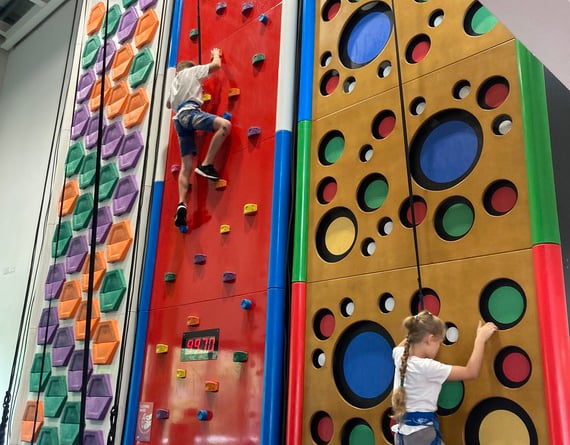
[462,107]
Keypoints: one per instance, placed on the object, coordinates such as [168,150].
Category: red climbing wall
[198,289]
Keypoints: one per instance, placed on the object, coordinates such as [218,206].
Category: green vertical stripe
[542,195]
[302,201]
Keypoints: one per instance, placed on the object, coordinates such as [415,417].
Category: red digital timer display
[200,345]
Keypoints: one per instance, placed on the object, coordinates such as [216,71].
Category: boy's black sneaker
[180,218]
[207,171]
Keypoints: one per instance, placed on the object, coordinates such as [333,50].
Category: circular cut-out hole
[388,422]
[372,192]
[383,124]
[324,324]
[349,84]
[418,106]
[326,191]
[357,432]
[454,218]
[366,153]
[419,213]
[430,301]
[384,69]
[336,234]
[322,428]
[329,82]
[513,367]
[461,89]
[326,59]
[331,147]
[418,48]
[493,93]
[450,397]
[368,247]
[436,18]
[502,125]
[347,307]
[318,358]
[385,226]
[503,302]
[500,197]
[330,10]
[386,303]
[451,334]
[478,20]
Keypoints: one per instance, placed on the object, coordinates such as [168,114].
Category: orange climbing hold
[119,241]
[146,28]
[118,98]
[70,195]
[221,184]
[95,18]
[100,269]
[81,324]
[137,106]
[95,100]
[29,432]
[122,62]
[105,342]
[69,299]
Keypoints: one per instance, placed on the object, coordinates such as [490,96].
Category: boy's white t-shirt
[187,86]
[424,377]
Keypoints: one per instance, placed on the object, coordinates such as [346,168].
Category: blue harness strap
[422,419]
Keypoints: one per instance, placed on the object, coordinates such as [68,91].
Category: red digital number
[211,344]
[190,343]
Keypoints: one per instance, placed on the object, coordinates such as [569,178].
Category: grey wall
[29,96]
[3,63]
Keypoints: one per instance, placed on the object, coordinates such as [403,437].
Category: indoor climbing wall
[204,358]
[453,93]
[125,55]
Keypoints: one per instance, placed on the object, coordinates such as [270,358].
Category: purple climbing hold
[112,137]
[130,150]
[125,195]
[104,223]
[54,281]
[92,131]
[228,277]
[76,254]
[110,51]
[63,346]
[93,437]
[221,7]
[253,131]
[99,396]
[128,25]
[75,372]
[145,4]
[162,413]
[246,8]
[79,123]
[200,258]
[49,322]
[85,85]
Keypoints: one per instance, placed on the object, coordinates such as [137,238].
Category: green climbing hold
[74,159]
[90,51]
[112,290]
[61,238]
[108,180]
[141,68]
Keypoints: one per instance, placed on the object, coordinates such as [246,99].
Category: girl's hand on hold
[485,331]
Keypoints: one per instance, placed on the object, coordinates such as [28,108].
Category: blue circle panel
[449,151]
[367,365]
[368,37]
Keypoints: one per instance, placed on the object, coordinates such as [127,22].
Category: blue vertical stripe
[307,61]
[175,36]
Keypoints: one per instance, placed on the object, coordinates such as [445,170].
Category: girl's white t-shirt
[187,85]
[424,377]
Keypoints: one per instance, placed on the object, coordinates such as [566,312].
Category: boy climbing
[186,99]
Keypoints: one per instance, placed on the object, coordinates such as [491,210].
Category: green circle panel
[361,435]
[483,21]
[375,193]
[506,304]
[458,219]
[451,395]
[334,149]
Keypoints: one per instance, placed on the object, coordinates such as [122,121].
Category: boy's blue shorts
[186,122]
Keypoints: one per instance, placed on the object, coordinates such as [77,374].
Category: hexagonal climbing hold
[48,436]
[69,195]
[92,131]
[39,375]
[95,19]
[141,68]
[84,86]
[63,346]
[82,212]
[119,242]
[100,269]
[104,222]
[90,51]
[145,4]
[112,137]
[79,122]
[136,108]
[74,159]
[99,396]
[130,150]
[108,181]
[110,50]
[54,281]
[111,21]
[112,290]
[127,25]
[61,238]
[55,396]
[127,3]
[69,299]
[69,425]
[81,324]
[95,100]
[32,420]
[75,370]
[47,327]
[76,253]
[117,100]
[87,174]
[122,63]
[105,342]
[125,195]
[146,28]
